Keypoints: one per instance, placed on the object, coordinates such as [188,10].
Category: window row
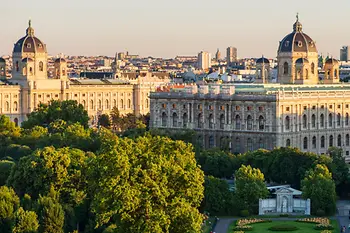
[322,141]
[321,122]
[7,106]
[107,105]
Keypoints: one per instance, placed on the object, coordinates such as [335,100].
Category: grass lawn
[206,228]
[303,227]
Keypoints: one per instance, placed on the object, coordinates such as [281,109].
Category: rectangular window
[287,109]
[314,107]
[346,106]
[261,108]
[238,108]
[339,106]
[330,106]
[305,107]
[249,108]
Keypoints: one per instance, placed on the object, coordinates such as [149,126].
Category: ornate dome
[332,61]
[59,60]
[29,43]
[297,41]
[262,60]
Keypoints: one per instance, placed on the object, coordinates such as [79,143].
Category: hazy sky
[165,28]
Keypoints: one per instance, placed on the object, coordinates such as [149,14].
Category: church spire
[297,27]
[30,30]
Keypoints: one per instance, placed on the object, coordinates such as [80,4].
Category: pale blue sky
[169,28]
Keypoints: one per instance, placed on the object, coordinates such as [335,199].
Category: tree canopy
[69,111]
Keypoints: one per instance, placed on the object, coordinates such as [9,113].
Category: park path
[342,217]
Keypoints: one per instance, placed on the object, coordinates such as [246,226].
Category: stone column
[308,207]
[261,212]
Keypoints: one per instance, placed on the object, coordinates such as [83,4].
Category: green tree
[5,170]
[104,121]
[51,215]
[36,173]
[115,118]
[250,187]
[338,166]
[9,203]
[26,222]
[151,184]
[218,199]
[320,188]
[9,132]
[69,111]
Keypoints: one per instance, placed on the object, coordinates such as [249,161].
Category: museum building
[300,110]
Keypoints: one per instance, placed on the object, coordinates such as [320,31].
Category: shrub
[320,213]
[244,213]
[284,215]
[283,228]
[243,228]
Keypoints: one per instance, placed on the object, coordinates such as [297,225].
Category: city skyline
[159,29]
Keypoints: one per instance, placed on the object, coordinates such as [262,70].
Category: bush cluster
[284,227]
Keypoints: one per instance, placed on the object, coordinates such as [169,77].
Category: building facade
[204,60]
[344,53]
[300,111]
[30,85]
[231,55]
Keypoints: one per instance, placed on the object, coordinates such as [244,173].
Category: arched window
[175,120]
[335,73]
[338,119]
[249,122]
[222,121]
[238,122]
[298,74]
[184,120]
[114,103]
[227,114]
[99,104]
[287,123]
[250,144]
[17,66]
[16,121]
[129,103]
[328,74]
[238,145]
[41,66]
[146,102]
[305,143]
[15,106]
[304,121]
[261,123]
[322,120]
[7,106]
[164,119]
[347,119]
[307,73]
[261,144]
[91,104]
[211,121]
[330,140]
[312,68]
[313,121]
[211,141]
[31,70]
[322,142]
[121,103]
[339,141]
[200,120]
[83,103]
[107,104]
[330,120]
[347,140]
[288,142]
[285,68]
[313,142]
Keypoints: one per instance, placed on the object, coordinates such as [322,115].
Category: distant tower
[2,68]
[231,55]
[331,71]
[218,55]
[204,61]
[262,70]
[61,69]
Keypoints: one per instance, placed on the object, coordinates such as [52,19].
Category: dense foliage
[320,188]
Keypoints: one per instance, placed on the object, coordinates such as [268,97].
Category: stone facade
[30,85]
[299,111]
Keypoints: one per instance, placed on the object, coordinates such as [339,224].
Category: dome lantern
[30,30]
[297,26]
